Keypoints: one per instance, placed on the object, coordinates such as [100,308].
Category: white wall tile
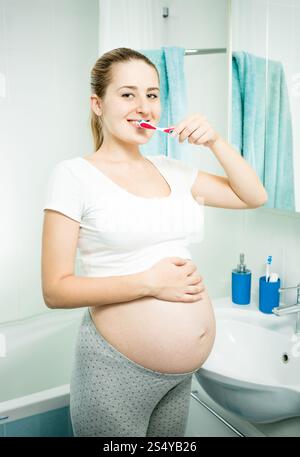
[46,55]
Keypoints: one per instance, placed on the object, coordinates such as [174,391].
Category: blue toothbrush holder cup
[268,295]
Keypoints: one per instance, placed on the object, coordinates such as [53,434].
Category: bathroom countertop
[251,314]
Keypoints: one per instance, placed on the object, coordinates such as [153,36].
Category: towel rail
[192,52]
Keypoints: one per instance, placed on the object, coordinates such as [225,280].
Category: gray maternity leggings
[111,395]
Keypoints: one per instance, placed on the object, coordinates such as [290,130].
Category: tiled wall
[47,49]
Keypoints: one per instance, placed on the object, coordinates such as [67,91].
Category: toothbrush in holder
[147,125]
[268,263]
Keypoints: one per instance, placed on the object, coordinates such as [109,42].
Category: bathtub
[35,367]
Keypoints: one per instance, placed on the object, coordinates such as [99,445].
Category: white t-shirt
[121,233]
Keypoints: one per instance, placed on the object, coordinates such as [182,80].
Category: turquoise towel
[261,125]
[173,95]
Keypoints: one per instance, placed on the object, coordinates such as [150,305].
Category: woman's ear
[96,104]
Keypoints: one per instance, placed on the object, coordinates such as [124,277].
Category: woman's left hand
[197,129]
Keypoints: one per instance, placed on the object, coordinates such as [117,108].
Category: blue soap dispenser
[241,283]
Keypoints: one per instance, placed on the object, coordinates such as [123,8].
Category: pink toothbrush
[147,125]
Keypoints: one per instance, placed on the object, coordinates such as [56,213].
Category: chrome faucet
[289,309]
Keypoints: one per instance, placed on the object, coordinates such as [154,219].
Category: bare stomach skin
[164,336]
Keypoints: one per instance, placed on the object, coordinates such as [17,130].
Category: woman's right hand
[175,279]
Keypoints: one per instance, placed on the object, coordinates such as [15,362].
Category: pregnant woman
[148,324]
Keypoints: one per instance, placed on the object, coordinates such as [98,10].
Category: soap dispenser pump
[241,283]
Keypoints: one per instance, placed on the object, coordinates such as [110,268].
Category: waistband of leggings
[87,320]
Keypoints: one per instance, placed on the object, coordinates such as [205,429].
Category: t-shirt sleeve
[64,192]
[182,170]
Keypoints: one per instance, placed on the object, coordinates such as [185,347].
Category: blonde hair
[101,77]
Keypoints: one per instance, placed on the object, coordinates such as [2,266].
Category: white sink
[254,367]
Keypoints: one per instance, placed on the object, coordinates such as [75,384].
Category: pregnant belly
[164,336]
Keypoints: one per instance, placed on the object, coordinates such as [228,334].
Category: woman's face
[122,103]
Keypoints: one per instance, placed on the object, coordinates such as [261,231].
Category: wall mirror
[265,94]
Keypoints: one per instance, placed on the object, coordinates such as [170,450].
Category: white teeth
[135,124]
